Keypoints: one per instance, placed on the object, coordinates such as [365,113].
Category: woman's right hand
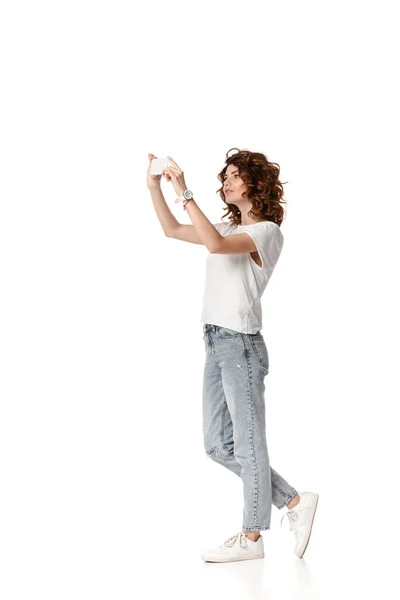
[153,181]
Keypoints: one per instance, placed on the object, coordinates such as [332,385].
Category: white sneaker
[301,519]
[237,547]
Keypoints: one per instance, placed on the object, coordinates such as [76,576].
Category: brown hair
[264,189]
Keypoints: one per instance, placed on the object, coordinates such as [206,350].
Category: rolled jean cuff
[288,499]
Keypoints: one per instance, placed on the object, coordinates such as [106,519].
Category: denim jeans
[234,419]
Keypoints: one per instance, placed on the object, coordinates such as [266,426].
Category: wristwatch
[187,195]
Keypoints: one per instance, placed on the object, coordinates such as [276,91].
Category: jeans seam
[222,428]
[251,428]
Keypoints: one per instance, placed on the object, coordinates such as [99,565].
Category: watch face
[188,194]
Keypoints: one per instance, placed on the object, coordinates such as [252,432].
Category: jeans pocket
[260,351]
[225,333]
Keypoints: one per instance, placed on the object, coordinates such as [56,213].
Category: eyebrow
[232,172]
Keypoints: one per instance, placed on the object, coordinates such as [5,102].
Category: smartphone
[158,164]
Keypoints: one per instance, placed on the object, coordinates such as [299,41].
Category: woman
[242,255]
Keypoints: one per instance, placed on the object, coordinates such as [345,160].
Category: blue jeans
[234,419]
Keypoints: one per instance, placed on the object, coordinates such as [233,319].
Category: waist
[216,328]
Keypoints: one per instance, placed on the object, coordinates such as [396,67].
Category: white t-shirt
[235,282]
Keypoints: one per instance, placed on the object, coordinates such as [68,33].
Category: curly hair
[264,189]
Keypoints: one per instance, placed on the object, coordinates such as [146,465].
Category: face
[234,185]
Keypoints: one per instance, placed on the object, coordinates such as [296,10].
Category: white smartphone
[158,164]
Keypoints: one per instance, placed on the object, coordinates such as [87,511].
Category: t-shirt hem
[230,326]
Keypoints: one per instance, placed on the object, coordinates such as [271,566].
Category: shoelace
[292,517]
[234,538]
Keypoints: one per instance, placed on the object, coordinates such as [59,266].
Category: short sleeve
[218,226]
[268,239]
[222,227]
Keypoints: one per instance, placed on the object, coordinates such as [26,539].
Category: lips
[226,191]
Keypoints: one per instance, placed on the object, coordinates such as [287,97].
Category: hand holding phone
[154,172]
[158,164]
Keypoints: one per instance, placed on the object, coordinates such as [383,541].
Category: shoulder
[275,231]
[267,232]
[271,226]
[224,227]
[264,226]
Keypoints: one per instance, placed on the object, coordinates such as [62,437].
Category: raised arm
[171,226]
[165,216]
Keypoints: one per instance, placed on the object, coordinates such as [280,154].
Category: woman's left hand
[175,174]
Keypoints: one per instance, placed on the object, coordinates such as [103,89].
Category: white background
[105,486]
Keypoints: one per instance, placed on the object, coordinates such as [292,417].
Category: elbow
[215,249]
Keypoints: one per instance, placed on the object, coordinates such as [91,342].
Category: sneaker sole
[314,509]
[231,559]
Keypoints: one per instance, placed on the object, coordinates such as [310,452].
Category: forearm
[165,216]
[203,227]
